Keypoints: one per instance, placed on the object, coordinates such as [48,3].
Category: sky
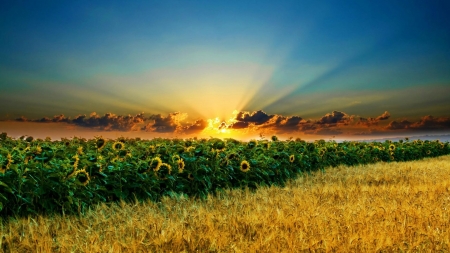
[227,69]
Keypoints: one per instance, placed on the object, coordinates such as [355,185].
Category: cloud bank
[333,123]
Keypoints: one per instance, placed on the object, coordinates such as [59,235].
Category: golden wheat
[380,207]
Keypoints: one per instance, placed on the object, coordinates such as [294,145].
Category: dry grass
[382,207]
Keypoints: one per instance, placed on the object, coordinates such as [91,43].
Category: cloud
[335,118]
[169,124]
[195,127]
[394,125]
[109,121]
[334,123]
[239,125]
[258,117]
[373,121]
[426,123]
[431,123]
[22,119]
[384,116]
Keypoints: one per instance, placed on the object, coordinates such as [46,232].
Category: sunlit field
[386,206]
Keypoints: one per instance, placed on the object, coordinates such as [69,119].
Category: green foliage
[69,176]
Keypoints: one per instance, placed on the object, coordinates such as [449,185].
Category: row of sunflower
[69,175]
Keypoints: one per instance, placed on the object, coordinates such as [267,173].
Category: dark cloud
[394,125]
[431,123]
[196,127]
[384,116]
[106,122]
[109,121]
[239,125]
[335,118]
[161,124]
[56,118]
[21,119]
[258,117]
[424,124]
[373,121]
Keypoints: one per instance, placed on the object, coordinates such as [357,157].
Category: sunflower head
[291,158]
[163,168]
[118,145]
[428,152]
[245,166]
[80,150]
[231,156]
[274,138]
[155,164]
[83,177]
[180,166]
[322,151]
[100,143]
[391,147]
[251,144]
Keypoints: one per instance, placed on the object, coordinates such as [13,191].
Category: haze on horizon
[328,70]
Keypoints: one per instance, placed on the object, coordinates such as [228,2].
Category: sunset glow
[225,69]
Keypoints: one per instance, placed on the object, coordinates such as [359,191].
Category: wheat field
[383,207]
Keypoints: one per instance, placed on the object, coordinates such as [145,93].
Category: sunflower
[83,177]
[190,177]
[428,152]
[162,166]
[392,157]
[100,143]
[322,152]
[245,166]
[180,166]
[251,144]
[118,145]
[391,147]
[77,159]
[158,164]
[291,158]
[231,156]
[80,150]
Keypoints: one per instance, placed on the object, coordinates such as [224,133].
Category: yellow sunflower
[80,150]
[158,164]
[428,152]
[162,166]
[83,177]
[245,166]
[292,158]
[100,143]
[180,166]
[118,145]
[391,147]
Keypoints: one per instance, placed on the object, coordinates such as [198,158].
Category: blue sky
[206,59]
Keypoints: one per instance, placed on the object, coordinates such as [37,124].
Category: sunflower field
[71,175]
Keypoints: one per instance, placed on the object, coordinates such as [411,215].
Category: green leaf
[6,186]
